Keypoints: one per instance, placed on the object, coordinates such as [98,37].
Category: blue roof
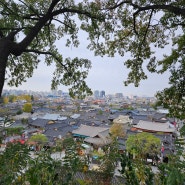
[79,135]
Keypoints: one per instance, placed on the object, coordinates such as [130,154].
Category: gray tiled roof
[51,116]
[98,141]
[39,123]
[154,126]
[89,131]
[75,116]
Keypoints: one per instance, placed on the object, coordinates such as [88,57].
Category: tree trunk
[4,53]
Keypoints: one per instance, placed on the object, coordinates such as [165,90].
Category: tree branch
[52,6]
[148,25]
[68,10]
[30,17]
[38,52]
[134,16]
[43,21]
[46,53]
[117,5]
[170,8]
[15,29]
[63,23]
[12,34]
[179,24]
[67,25]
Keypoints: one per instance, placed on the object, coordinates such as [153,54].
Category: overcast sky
[106,74]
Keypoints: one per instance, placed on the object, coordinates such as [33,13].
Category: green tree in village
[25,97]
[12,98]
[39,138]
[142,144]
[117,130]
[172,173]
[18,168]
[11,131]
[5,100]
[43,170]
[27,107]
[13,162]
[24,120]
[109,162]
[29,29]
[19,111]
[32,98]
[135,170]
[72,161]
[4,111]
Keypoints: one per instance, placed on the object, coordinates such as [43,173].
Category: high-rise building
[102,94]
[96,94]
[119,95]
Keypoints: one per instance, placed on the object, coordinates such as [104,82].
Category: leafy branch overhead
[30,28]
[138,28]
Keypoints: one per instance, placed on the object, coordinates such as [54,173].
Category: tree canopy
[143,143]
[40,138]
[27,107]
[117,130]
[139,28]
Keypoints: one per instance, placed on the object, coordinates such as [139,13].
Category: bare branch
[38,52]
[146,31]
[71,10]
[170,8]
[117,5]
[58,21]
[30,17]
[63,23]
[15,29]
[52,6]
[12,34]
[134,23]
[179,24]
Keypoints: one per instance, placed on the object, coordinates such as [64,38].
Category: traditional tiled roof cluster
[88,131]
[155,126]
